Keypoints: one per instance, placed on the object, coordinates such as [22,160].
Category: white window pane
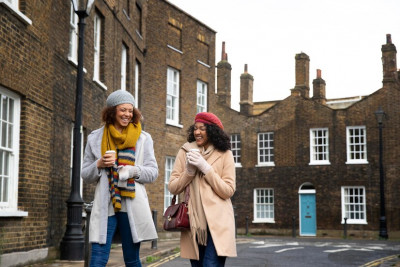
[172,95]
[4,134]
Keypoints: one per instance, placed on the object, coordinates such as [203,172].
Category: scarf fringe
[201,236]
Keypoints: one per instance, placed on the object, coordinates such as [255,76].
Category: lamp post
[380,115]
[72,245]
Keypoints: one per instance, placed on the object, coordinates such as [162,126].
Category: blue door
[308,220]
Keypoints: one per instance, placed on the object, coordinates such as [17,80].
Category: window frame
[174,87]
[124,67]
[201,96]
[349,152]
[343,206]
[169,164]
[73,36]
[267,195]
[9,208]
[97,35]
[139,20]
[138,70]
[13,6]
[314,146]
[236,149]
[269,149]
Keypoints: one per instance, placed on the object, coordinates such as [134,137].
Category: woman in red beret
[205,164]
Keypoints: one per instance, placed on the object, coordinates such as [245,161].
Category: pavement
[147,252]
[151,251]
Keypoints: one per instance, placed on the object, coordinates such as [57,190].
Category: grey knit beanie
[120,97]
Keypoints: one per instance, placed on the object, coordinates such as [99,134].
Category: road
[265,251]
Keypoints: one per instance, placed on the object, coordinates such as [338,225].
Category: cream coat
[216,189]
[138,209]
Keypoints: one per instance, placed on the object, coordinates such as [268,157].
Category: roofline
[187,14]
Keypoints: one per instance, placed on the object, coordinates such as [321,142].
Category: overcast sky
[343,38]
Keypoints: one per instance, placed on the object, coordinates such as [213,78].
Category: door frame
[309,192]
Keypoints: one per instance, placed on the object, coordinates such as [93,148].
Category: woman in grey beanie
[119,158]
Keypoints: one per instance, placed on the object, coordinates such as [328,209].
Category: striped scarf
[124,157]
[125,145]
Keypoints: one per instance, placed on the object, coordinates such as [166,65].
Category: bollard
[345,227]
[247,225]
[294,226]
[88,251]
[154,242]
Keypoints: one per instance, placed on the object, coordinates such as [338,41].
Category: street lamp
[72,245]
[380,115]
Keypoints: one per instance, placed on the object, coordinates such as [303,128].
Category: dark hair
[216,136]
[108,115]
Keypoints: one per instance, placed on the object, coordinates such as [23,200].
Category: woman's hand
[196,159]
[106,161]
[128,171]
[190,169]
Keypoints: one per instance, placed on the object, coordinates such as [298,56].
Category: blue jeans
[208,255]
[101,252]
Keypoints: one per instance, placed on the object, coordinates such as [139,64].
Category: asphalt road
[301,252]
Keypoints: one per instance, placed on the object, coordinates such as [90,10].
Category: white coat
[138,208]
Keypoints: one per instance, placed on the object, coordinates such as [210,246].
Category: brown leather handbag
[176,217]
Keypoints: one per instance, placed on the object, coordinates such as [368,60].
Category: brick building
[166,58]
[311,162]
[179,82]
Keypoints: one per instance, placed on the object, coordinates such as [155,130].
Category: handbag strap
[187,194]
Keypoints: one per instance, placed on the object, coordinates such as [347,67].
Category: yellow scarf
[124,143]
[113,139]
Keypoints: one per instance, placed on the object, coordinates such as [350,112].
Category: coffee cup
[110,154]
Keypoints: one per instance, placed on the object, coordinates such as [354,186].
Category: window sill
[319,163]
[138,34]
[357,162]
[75,64]
[204,64]
[18,13]
[175,49]
[355,222]
[270,164]
[14,213]
[264,221]
[175,124]
[238,165]
[126,14]
[102,85]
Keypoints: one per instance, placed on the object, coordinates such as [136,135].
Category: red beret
[208,118]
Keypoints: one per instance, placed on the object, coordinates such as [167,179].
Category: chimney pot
[318,74]
[223,51]
[245,68]
[388,38]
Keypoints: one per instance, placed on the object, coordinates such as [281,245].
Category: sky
[343,38]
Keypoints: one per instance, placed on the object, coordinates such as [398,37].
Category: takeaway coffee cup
[110,154]
[194,150]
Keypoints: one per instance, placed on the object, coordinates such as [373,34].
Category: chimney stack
[224,70]
[389,63]
[246,93]
[302,70]
[319,89]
